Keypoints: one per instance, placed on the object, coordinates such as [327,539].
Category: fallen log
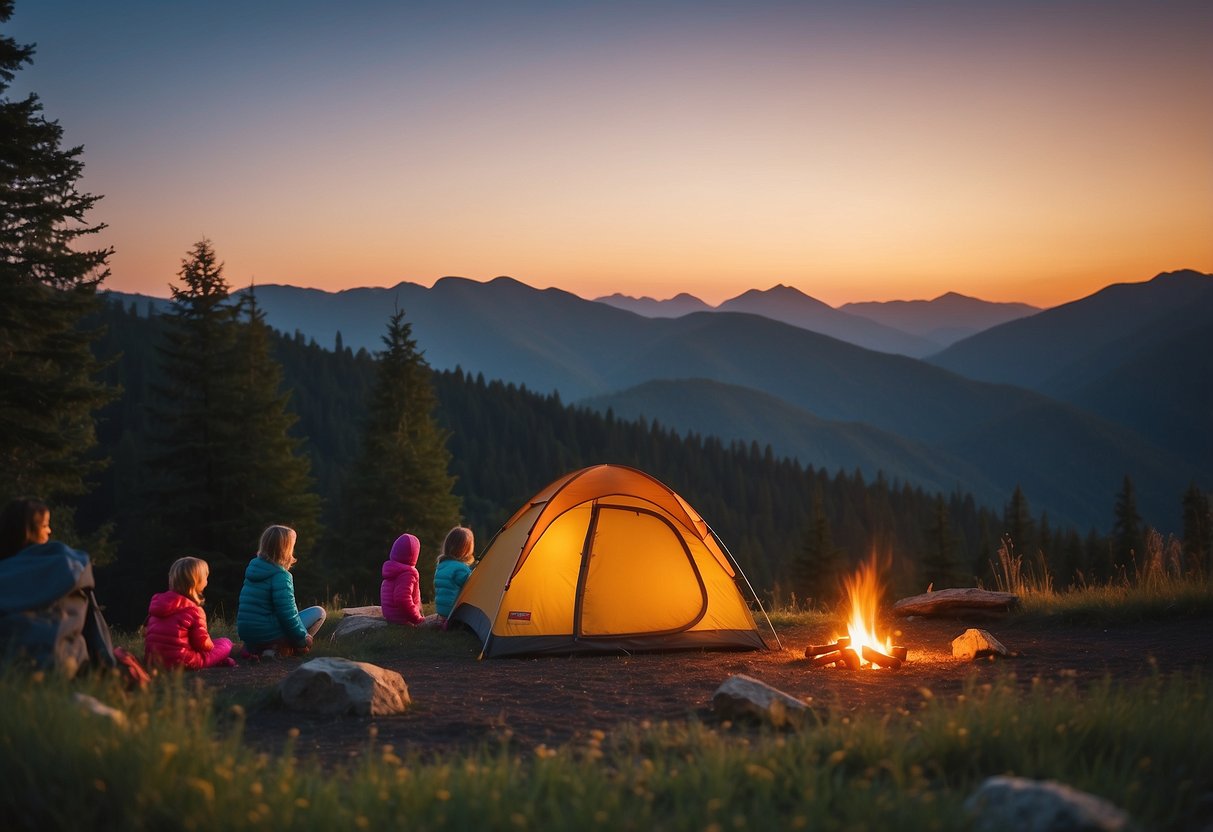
[957,600]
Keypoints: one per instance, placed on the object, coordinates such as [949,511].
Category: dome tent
[606,559]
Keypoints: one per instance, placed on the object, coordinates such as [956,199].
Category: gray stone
[97,708]
[355,624]
[1003,803]
[744,697]
[333,685]
[972,644]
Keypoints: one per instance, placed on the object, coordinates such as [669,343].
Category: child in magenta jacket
[400,592]
[176,634]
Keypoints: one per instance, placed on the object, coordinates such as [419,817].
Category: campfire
[861,646]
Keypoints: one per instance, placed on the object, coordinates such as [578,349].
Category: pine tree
[938,564]
[48,386]
[401,482]
[1126,531]
[226,467]
[817,571]
[1198,530]
[1017,522]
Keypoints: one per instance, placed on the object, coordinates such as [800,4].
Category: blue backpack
[49,615]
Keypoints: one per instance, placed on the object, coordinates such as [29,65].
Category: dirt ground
[459,702]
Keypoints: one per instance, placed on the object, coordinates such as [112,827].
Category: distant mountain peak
[779,293]
[1179,274]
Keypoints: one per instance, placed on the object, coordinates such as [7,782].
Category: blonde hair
[459,545]
[186,575]
[277,545]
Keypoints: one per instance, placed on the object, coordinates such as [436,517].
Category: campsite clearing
[461,703]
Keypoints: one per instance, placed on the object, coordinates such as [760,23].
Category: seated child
[400,592]
[176,634]
[267,619]
[454,567]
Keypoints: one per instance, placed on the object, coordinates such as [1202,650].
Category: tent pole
[753,594]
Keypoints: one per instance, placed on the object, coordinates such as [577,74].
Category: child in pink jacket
[176,634]
[400,592]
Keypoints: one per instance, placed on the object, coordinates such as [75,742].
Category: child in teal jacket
[454,567]
[267,618]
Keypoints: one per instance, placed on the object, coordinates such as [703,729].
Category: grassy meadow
[177,760]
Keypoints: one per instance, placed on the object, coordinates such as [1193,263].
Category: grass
[179,761]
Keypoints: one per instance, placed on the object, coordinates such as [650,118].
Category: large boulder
[1043,806]
[334,685]
[744,697]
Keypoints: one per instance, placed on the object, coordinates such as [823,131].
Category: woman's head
[459,545]
[23,521]
[278,546]
[188,577]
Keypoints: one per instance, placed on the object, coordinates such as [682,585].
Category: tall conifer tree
[1126,531]
[48,386]
[938,566]
[401,482]
[817,571]
[225,466]
[1198,529]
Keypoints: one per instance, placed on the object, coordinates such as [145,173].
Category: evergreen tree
[274,485]
[48,386]
[225,467]
[817,571]
[1126,530]
[938,565]
[401,482]
[1198,530]
[1017,522]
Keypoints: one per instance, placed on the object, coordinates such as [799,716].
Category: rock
[98,708]
[956,600]
[1043,806]
[333,685]
[742,697]
[353,624]
[973,644]
[373,610]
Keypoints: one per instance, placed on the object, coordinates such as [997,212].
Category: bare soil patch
[461,703]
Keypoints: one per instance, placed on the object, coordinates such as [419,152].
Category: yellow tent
[606,559]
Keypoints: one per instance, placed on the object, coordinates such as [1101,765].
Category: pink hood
[405,550]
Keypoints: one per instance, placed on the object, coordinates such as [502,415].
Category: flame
[864,591]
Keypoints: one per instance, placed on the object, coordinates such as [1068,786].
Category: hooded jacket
[267,612]
[176,634]
[400,592]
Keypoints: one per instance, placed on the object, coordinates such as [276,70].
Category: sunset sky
[1023,150]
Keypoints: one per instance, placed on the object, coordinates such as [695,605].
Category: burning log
[901,653]
[852,659]
[878,658]
[815,650]
[826,659]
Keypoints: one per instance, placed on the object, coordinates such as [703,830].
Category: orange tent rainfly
[602,560]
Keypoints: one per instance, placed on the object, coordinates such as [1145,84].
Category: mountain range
[916,328]
[831,403]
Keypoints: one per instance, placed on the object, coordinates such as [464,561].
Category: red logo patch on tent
[516,615]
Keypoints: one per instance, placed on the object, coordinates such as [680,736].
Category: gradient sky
[1022,150]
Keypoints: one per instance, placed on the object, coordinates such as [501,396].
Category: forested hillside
[793,528]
